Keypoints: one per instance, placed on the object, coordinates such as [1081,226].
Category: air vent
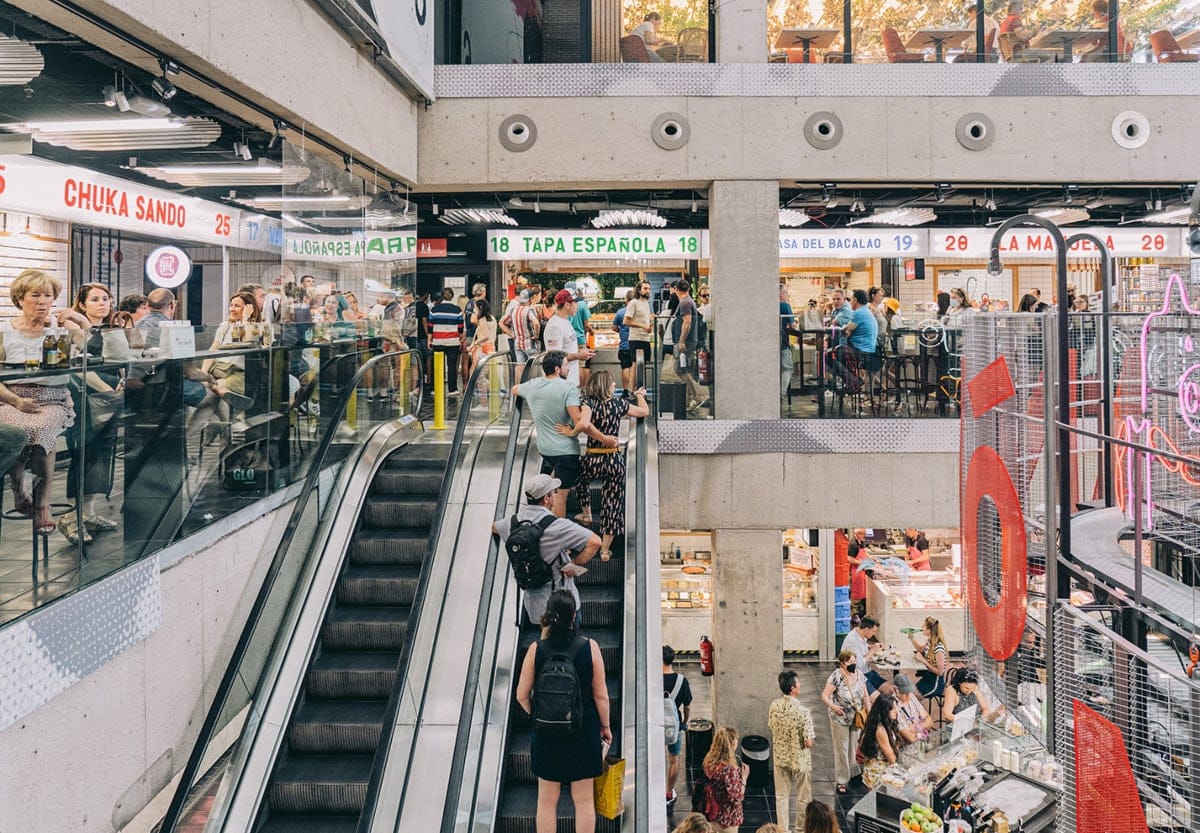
[219,175]
[164,134]
[20,62]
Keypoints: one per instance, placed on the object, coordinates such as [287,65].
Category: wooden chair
[1014,52]
[693,46]
[1168,51]
[896,51]
[633,50]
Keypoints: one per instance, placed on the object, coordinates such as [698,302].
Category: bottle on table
[50,348]
[64,347]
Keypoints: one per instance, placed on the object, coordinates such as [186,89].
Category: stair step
[337,726]
[424,455]
[398,511]
[372,585]
[408,482]
[602,607]
[311,824]
[608,640]
[611,572]
[321,784]
[357,628]
[356,675]
[519,806]
[390,546]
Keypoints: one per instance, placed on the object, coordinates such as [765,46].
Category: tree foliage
[676,15]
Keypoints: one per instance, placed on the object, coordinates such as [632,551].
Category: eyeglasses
[703,294]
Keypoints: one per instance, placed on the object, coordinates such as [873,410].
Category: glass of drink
[32,363]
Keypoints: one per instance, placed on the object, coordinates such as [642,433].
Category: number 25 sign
[998,626]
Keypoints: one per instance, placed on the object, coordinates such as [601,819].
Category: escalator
[602,607]
[320,780]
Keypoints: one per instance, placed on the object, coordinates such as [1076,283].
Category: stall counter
[898,604]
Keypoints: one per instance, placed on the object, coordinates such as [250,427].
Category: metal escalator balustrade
[237,712]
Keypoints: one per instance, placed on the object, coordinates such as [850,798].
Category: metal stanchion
[439,391]
[403,386]
[494,399]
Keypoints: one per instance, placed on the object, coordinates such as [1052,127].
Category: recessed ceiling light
[1064,216]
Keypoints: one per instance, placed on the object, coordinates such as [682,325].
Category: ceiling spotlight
[275,136]
[1069,194]
[110,96]
[243,150]
[990,205]
[939,193]
[165,89]
[827,195]
[435,209]
[695,207]
[168,66]
[537,206]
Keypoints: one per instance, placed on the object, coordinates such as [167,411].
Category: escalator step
[357,675]
[425,455]
[371,585]
[611,572]
[396,511]
[390,546]
[321,784]
[405,482]
[337,726]
[519,806]
[366,628]
[602,607]
[608,640]
[311,824]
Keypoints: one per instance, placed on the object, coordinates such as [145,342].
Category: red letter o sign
[999,627]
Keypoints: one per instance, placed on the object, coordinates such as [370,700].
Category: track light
[275,136]
[243,150]
[165,89]
[990,205]
[537,206]
[346,163]
[169,67]
[939,193]
[110,96]
[1069,194]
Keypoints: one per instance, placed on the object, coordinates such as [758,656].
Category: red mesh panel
[1106,796]
[990,387]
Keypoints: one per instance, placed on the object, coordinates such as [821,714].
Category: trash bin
[756,753]
[699,739]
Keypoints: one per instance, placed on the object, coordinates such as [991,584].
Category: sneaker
[69,529]
[98,523]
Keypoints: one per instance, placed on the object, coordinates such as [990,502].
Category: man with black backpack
[540,546]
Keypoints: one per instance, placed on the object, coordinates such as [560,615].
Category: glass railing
[133,447]
[680,381]
[910,371]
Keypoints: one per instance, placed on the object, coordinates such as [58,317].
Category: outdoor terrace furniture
[633,50]
[896,51]
[1167,50]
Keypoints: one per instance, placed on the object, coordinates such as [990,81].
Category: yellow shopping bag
[608,787]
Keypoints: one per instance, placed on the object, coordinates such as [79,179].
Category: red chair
[633,50]
[896,51]
[1168,51]
[796,56]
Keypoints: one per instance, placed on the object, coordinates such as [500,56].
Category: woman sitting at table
[230,373]
[647,30]
[931,652]
[964,692]
[880,739]
[43,407]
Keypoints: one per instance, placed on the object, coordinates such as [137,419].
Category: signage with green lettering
[374,245]
[622,244]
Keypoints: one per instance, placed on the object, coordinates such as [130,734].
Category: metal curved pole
[1106,335]
[1058,579]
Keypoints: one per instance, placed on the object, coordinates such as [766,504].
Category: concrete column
[747,627]
[742,32]
[744,248]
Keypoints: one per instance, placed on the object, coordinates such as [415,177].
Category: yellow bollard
[439,391]
[494,400]
[352,409]
[403,386]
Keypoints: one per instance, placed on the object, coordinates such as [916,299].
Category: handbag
[860,717]
[608,787]
[102,406]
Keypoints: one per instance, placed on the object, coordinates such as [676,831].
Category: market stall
[902,603]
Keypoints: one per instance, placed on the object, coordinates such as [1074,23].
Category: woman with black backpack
[562,688]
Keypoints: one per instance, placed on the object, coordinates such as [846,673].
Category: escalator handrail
[229,678]
[462,734]
[435,527]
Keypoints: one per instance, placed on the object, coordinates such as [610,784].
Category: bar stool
[57,510]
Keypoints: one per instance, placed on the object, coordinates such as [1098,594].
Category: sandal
[22,501]
[841,789]
[44,522]
[605,555]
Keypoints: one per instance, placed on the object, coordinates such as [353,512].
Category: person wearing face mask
[844,694]
[958,302]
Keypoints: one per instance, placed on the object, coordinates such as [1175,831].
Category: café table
[669,52]
[939,39]
[808,39]
[1065,38]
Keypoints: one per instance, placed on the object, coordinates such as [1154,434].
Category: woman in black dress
[573,759]
[605,412]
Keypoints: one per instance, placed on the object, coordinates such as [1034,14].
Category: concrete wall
[606,140]
[781,491]
[90,759]
[284,55]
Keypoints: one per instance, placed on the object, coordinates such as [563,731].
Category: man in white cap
[564,545]
[912,719]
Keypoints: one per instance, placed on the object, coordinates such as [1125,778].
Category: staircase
[320,781]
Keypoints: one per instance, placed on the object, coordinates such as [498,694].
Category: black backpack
[557,700]
[525,554]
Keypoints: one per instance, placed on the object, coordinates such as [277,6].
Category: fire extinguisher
[706,656]
[704,367]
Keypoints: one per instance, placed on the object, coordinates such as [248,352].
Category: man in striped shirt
[521,325]
[446,325]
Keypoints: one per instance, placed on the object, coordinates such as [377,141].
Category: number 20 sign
[998,626]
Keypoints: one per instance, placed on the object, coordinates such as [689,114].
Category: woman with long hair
[931,651]
[602,462]
[567,758]
[93,312]
[726,779]
[963,692]
[844,694]
[484,341]
[820,818]
[1028,303]
[694,823]
[881,739]
[230,373]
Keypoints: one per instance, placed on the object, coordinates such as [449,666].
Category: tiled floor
[760,803]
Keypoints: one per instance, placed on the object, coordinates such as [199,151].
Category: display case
[903,603]
[801,590]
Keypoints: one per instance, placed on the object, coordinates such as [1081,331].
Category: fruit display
[920,819]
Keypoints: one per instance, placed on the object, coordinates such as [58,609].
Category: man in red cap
[560,334]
